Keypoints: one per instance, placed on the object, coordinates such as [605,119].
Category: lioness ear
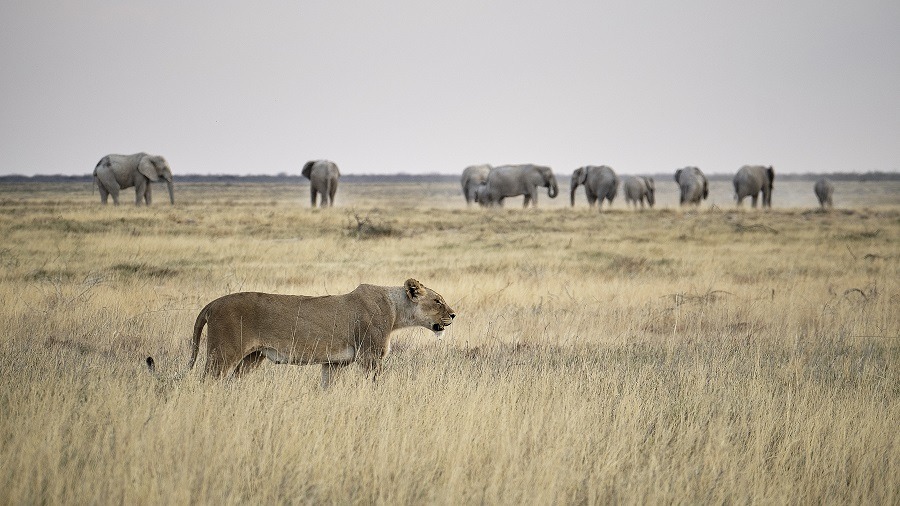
[414,289]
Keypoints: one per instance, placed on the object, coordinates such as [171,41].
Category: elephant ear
[414,289]
[307,169]
[650,184]
[771,173]
[148,168]
[580,175]
[677,173]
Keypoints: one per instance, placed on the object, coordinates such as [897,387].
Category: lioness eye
[438,301]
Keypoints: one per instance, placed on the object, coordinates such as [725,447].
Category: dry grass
[659,356]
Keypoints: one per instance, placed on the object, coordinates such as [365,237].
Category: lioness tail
[202,318]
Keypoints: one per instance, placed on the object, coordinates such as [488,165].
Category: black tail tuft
[151,364]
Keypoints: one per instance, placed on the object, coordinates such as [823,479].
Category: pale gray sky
[234,87]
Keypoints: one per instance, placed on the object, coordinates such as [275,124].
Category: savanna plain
[668,355]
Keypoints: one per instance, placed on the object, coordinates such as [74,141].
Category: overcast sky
[228,87]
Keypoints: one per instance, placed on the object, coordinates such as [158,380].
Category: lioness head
[431,311]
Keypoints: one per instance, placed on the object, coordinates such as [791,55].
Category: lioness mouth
[437,327]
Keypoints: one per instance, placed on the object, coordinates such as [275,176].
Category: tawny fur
[333,330]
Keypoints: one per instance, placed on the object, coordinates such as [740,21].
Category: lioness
[332,330]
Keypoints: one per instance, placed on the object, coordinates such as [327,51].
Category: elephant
[750,180]
[639,188]
[824,189]
[472,178]
[514,180]
[693,184]
[600,182]
[323,178]
[115,172]
[480,195]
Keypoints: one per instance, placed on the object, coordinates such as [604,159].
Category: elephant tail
[104,162]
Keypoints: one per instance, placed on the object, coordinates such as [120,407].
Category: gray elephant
[600,182]
[750,180]
[481,195]
[514,180]
[693,185]
[824,190]
[639,188]
[472,178]
[323,178]
[115,172]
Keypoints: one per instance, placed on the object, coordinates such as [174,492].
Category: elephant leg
[148,197]
[331,193]
[108,186]
[753,199]
[312,196]
[527,200]
[140,188]
[104,194]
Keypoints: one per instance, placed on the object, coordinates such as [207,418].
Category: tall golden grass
[669,355]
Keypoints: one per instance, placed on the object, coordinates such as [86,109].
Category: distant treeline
[425,178]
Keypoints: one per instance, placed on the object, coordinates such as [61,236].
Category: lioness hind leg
[215,365]
[248,363]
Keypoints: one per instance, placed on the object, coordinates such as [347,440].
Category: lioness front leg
[373,367]
[329,371]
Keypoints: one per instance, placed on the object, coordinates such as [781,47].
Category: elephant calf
[824,190]
[115,172]
[472,178]
[638,189]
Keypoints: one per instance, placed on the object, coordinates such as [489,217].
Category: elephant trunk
[553,189]
[171,186]
[572,196]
